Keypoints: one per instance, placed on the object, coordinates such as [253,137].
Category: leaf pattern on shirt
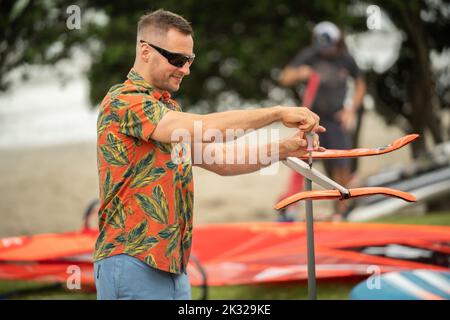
[117,104]
[131,124]
[156,206]
[150,260]
[163,147]
[115,152]
[110,189]
[146,173]
[102,247]
[118,217]
[174,266]
[173,243]
[104,121]
[137,240]
[154,111]
[168,232]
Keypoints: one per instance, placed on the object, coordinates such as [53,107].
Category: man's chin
[174,87]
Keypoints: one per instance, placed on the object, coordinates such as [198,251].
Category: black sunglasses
[176,59]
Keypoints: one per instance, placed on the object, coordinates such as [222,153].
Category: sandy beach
[46,189]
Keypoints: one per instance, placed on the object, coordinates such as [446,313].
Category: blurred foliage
[239,45]
[410,89]
[33,32]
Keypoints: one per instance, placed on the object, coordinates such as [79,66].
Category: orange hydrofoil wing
[335,190]
[364,152]
[335,194]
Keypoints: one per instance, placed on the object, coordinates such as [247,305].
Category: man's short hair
[162,21]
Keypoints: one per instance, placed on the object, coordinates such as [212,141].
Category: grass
[288,291]
[434,218]
[30,290]
[242,292]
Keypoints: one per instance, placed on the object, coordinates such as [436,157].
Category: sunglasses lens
[178,61]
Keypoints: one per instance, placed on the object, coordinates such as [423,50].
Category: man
[146,193]
[327,66]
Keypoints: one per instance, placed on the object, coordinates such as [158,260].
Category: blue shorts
[122,277]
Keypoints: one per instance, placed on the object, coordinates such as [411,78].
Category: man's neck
[144,75]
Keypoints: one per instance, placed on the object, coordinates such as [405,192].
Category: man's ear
[144,52]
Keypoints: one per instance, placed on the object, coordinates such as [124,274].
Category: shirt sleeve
[354,71]
[140,119]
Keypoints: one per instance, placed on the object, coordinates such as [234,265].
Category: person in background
[326,66]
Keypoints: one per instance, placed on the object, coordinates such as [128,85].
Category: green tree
[410,89]
[34,33]
[237,44]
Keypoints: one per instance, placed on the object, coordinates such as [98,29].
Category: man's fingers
[299,137]
[306,120]
[320,129]
[307,127]
[303,143]
[317,129]
[311,123]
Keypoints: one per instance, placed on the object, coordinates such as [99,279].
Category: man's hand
[301,118]
[296,145]
[347,118]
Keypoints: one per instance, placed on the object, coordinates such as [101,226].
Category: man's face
[163,75]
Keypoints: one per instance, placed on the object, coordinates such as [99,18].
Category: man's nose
[186,68]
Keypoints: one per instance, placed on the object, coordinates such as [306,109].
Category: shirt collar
[165,96]
[138,80]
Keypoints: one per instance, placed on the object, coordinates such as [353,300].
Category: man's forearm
[179,126]
[288,77]
[234,159]
[360,91]
[240,119]
[291,76]
[181,123]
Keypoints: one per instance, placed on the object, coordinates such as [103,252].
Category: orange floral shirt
[146,199]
